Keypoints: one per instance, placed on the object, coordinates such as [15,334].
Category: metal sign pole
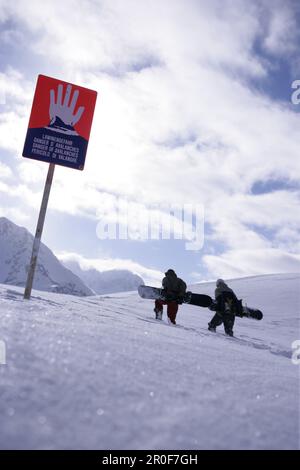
[38,233]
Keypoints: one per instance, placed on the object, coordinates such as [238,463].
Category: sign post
[39,231]
[58,133]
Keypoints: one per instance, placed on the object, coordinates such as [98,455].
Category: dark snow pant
[172,308]
[226,318]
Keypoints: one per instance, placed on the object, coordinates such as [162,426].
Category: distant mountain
[50,275]
[106,282]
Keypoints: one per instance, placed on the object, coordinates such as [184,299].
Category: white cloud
[150,276]
[287,238]
[237,219]
[15,214]
[31,172]
[22,194]
[250,262]
[121,34]
[176,118]
[5,171]
[283,36]
[14,112]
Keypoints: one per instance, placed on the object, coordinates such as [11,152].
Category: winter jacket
[226,299]
[173,285]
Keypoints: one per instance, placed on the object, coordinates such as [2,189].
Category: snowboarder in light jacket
[174,289]
[226,308]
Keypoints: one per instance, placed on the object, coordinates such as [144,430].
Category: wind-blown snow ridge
[99,372]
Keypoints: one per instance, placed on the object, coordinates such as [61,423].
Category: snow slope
[50,275]
[99,372]
[106,282]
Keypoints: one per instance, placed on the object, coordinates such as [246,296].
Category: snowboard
[254,313]
[200,300]
[154,293]
[243,311]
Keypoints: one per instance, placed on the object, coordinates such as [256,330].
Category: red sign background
[40,117]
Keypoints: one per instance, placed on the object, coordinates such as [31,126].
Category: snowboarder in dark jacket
[226,308]
[174,289]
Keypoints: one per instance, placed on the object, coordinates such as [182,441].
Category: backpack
[232,305]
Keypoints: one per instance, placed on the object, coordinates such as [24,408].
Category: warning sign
[60,123]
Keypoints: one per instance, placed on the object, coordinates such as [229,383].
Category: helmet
[220,282]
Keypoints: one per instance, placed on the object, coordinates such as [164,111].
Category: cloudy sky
[194,107]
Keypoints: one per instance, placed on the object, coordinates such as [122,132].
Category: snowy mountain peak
[106,282]
[7,227]
[15,252]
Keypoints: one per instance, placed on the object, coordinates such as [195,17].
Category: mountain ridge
[50,275]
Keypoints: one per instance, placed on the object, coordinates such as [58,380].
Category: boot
[216,320]
[229,332]
[228,324]
[211,328]
[158,313]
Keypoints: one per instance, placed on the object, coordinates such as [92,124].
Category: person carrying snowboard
[226,308]
[174,289]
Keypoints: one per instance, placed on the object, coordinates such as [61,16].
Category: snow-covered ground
[99,372]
